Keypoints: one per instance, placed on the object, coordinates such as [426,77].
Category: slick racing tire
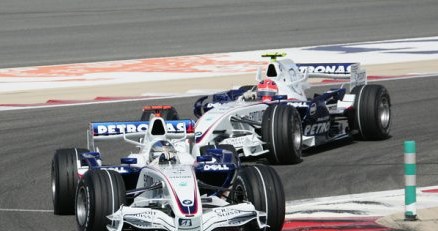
[64,179]
[261,185]
[165,113]
[282,132]
[99,194]
[371,116]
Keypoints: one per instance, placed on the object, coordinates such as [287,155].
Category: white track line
[190,93]
[370,204]
[386,202]
[27,210]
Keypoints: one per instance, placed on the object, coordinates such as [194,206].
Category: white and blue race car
[163,186]
[276,119]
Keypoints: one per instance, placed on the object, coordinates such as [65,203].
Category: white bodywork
[179,192]
[291,81]
[242,136]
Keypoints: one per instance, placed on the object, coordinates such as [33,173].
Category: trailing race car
[276,119]
[164,187]
[166,112]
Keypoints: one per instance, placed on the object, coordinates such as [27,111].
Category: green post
[410,181]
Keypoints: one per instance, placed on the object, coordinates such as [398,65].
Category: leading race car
[163,187]
[276,119]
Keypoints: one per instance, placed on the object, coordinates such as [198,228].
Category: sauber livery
[280,125]
[163,186]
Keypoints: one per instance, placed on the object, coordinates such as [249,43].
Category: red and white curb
[209,65]
[352,212]
[152,96]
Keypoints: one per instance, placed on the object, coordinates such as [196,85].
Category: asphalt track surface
[30,136]
[53,31]
[49,31]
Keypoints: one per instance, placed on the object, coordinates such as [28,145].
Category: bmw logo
[187,202]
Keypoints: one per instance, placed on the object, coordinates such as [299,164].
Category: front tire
[281,130]
[372,112]
[261,185]
[64,178]
[99,194]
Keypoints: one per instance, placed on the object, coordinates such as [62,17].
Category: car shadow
[328,147]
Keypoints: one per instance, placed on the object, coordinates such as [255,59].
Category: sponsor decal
[317,128]
[328,68]
[120,128]
[216,167]
[325,118]
[198,133]
[178,171]
[187,202]
[117,128]
[223,212]
[185,222]
[180,177]
[235,141]
[148,215]
[182,184]
[298,104]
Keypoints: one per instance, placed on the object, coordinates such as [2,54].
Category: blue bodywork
[217,167]
[315,116]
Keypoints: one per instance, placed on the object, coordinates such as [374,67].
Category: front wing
[219,217]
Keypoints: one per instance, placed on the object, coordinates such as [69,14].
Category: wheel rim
[81,206]
[384,112]
[240,194]
[53,182]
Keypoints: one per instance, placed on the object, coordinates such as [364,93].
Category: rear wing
[351,71]
[115,130]
[102,131]
[286,67]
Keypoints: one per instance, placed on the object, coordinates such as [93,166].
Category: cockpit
[163,150]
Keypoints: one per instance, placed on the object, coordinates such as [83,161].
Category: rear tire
[281,130]
[261,185]
[64,178]
[372,112]
[100,193]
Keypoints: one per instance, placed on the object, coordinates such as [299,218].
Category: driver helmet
[162,149]
[266,89]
